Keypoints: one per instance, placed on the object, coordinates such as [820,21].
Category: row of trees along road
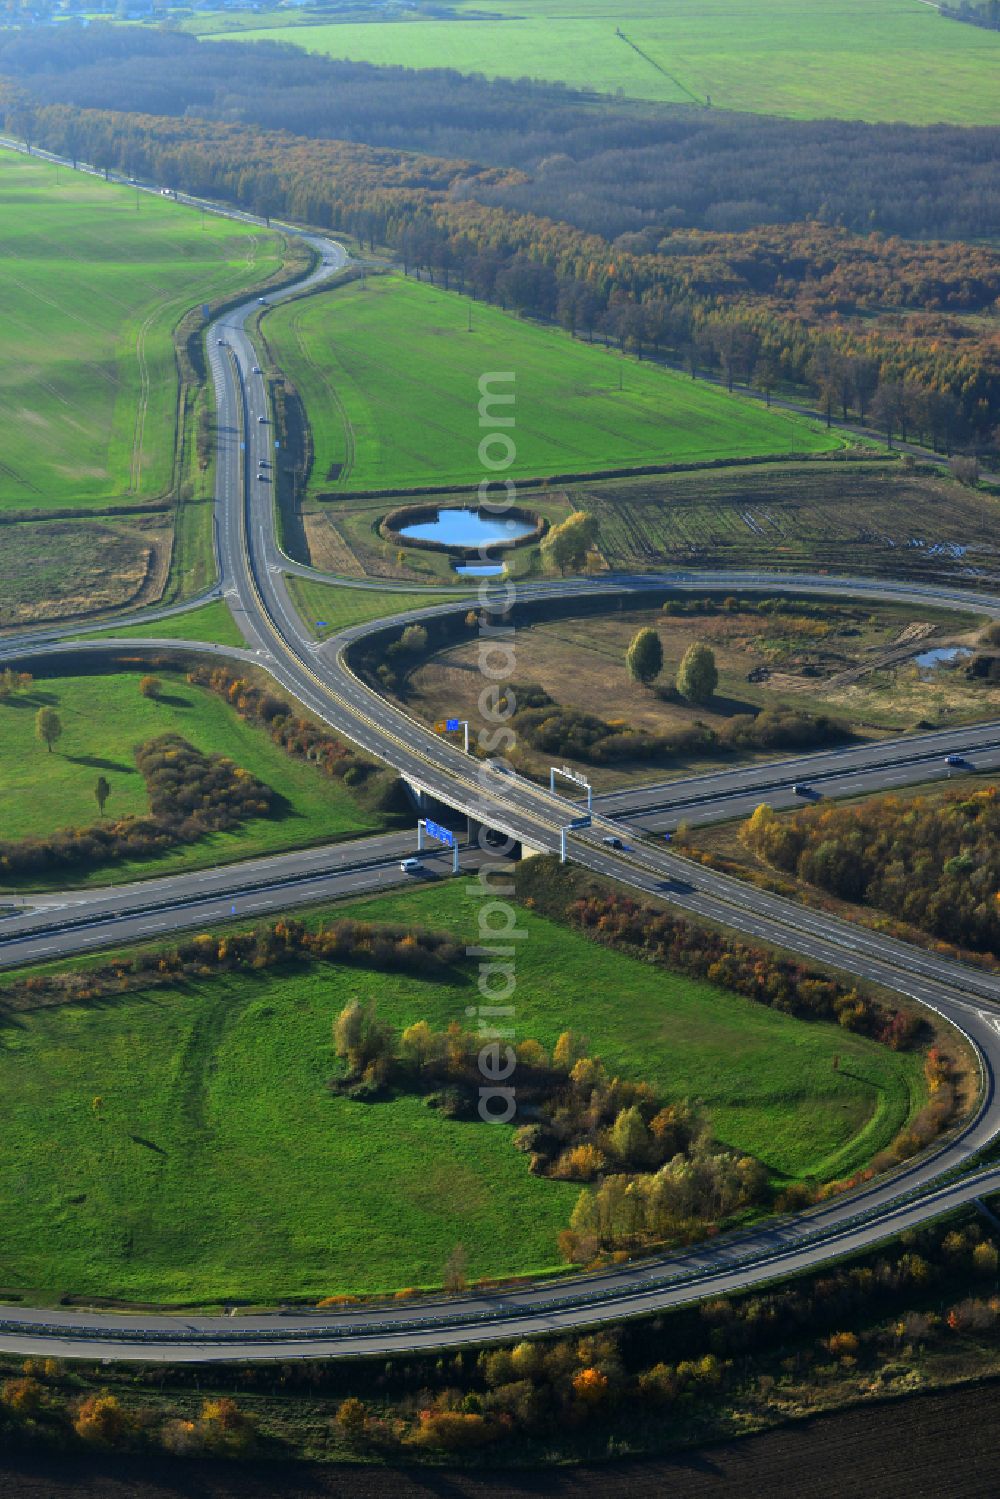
[893,331]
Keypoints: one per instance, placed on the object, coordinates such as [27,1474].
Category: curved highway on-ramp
[252,574]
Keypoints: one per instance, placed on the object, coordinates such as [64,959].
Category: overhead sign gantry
[451,725]
[425,827]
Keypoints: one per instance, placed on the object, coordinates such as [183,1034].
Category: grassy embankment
[210,622]
[325,608]
[857,59]
[217,1163]
[103,718]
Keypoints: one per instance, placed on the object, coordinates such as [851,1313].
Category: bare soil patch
[72,569]
[874,518]
[851,661]
[327,548]
[877,518]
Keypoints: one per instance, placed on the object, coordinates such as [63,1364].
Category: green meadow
[328,607]
[103,719]
[856,59]
[93,279]
[390,378]
[215,1163]
[209,622]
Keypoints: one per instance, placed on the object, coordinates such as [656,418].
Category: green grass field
[103,718]
[325,608]
[211,622]
[217,1164]
[856,59]
[390,379]
[90,290]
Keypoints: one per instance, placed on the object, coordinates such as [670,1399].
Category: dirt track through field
[927,1447]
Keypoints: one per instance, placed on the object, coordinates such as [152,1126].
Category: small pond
[467,528]
[941,655]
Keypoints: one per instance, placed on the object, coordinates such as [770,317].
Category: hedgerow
[372,944]
[303,739]
[546,726]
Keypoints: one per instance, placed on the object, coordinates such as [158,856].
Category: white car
[256,369]
[410,866]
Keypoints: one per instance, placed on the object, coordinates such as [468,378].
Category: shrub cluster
[659,1176]
[555,730]
[678,1203]
[190,794]
[985,665]
[399,656]
[797,610]
[584,1121]
[983,668]
[301,738]
[34,1412]
[12,681]
[372,944]
[207,792]
[935,864]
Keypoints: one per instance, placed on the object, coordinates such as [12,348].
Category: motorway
[252,579]
[60,923]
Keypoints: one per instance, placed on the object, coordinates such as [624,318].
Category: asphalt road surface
[62,923]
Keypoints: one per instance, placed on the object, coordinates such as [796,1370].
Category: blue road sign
[321,624]
[443,835]
[453,723]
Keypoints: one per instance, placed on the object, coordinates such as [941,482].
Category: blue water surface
[467,528]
